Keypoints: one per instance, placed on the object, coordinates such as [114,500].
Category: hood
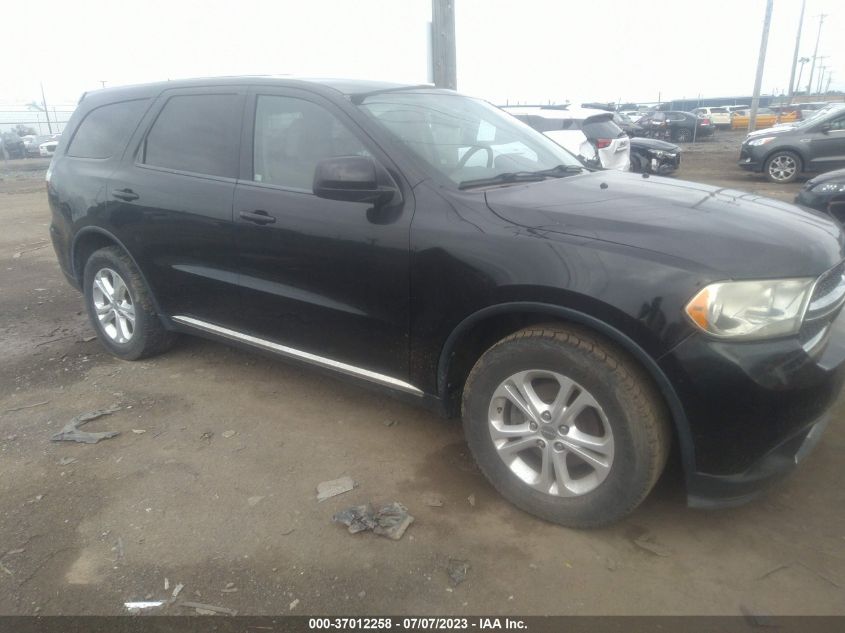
[771,131]
[655,144]
[831,176]
[722,232]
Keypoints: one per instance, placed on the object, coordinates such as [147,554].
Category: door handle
[125,194]
[257,217]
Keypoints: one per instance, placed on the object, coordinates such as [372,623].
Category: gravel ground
[211,483]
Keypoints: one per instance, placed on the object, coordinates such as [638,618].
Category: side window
[105,130]
[196,133]
[837,124]
[292,136]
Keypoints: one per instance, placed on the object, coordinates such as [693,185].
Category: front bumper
[754,409]
[750,158]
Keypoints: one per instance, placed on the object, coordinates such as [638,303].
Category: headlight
[829,187]
[751,309]
[656,153]
[761,141]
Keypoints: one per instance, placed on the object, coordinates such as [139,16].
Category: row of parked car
[30,145]
[612,140]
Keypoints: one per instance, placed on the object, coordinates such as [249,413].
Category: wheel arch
[92,238]
[507,318]
[792,150]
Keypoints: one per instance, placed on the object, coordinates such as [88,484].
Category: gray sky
[526,50]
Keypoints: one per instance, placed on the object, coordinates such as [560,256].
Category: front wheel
[565,426]
[782,167]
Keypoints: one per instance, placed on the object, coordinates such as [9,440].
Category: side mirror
[824,128]
[350,179]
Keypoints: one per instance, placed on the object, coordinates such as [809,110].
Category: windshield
[462,138]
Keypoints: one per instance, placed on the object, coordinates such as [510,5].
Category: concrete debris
[390,520]
[228,434]
[177,590]
[166,584]
[457,570]
[71,433]
[471,500]
[207,607]
[64,461]
[139,431]
[335,487]
[255,500]
[293,604]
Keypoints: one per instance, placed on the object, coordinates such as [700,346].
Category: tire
[782,167]
[146,336]
[635,439]
[683,135]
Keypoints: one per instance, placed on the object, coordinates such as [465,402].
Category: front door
[827,149]
[325,277]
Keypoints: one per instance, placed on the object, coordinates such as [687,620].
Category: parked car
[830,107]
[32,143]
[674,125]
[825,193]
[808,109]
[48,148]
[813,146]
[13,145]
[611,143]
[652,156]
[559,127]
[627,125]
[583,322]
[718,115]
[766,117]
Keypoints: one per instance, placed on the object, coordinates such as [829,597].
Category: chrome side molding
[290,352]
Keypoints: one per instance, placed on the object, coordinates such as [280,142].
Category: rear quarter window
[105,130]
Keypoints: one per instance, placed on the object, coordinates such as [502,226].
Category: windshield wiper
[522,176]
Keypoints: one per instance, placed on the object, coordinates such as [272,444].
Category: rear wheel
[120,306]
[782,167]
[565,426]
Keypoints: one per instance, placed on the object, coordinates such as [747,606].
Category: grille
[825,303]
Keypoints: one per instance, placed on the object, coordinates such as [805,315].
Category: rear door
[171,197]
[324,277]
[827,149]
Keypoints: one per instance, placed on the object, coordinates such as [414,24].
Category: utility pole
[827,87]
[822,69]
[443,57]
[795,54]
[761,61]
[801,61]
[815,54]
[46,111]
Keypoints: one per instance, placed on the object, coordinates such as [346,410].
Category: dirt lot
[211,484]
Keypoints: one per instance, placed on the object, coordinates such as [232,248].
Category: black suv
[582,322]
[811,146]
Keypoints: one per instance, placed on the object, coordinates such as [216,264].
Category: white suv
[589,134]
[720,116]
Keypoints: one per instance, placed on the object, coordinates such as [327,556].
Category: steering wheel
[471,151]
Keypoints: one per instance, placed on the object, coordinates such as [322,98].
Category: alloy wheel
[551,432]
[114,306]
[782,167]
